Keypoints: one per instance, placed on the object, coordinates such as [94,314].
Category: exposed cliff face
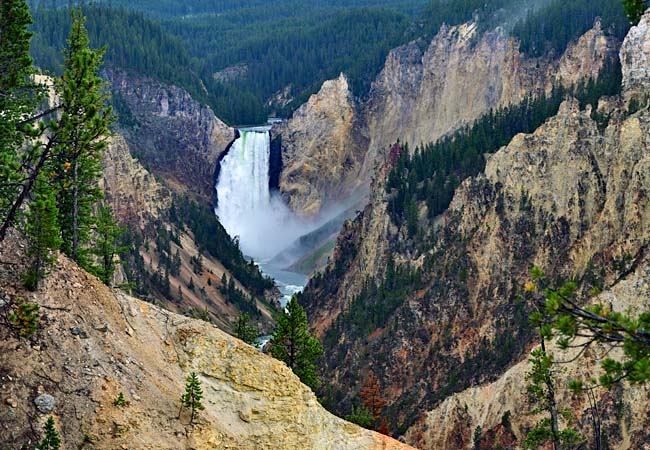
[135,196]
[94,343]
[560,198]
[421,96]
[418,97]
[565,197]
[322,149]
[173,134]
[635,55]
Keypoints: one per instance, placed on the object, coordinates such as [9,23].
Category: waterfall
[246,207]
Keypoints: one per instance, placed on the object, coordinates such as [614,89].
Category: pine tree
[166,284]
[634,9]
[371,397]
[52,439]
[175,267]
[42,230]
[120,400]
[293,344]
[244,331]
[193,395]
[19,98]
[361,416]
[542,393]
[108,235]
[83,130]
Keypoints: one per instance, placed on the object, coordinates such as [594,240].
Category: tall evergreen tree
[542,394]
[42,231]
[293,344]
[83,129]
[108,235]
[19,97]
[243,330]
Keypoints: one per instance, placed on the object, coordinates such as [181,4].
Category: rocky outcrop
[172,134]
[635,55]
[93,343]
[419,96]
[322,149]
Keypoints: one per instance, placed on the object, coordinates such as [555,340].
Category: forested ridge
[238,56]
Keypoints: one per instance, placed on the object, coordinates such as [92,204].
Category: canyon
[440,315]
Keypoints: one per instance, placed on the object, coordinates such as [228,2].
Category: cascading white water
[245,205]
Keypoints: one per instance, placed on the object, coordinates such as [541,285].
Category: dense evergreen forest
[551,28]
[232,8]
[251,59]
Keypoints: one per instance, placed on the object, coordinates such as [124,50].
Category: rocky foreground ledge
[94,342]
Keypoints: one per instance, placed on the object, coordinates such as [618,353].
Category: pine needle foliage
[42,230]
[51,439]
[562,315]
[634,9]
[292,344]
[193,395]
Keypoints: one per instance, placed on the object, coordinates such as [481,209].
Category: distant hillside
[251,59]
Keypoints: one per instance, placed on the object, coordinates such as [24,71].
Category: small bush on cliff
[361,416]
[52,439]
[120,400]
[24,319]
[193,396]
